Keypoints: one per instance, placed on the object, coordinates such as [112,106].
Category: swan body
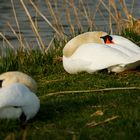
[123,43]
[15,100]
[98,54]
[92,57]
[11,77]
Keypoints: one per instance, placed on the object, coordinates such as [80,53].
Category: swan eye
[1,83]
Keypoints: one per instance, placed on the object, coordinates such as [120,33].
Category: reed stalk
[55,16]
[20,40]
[76,14]
[89,91]
[93,124]
[6,40]
[45,18]
[58,14]
[96,8]
[19,36]
[49,45]
[110,19]
[107,8]
[87,15]
[125,9]
[69,20]
[38,37]
[132,7]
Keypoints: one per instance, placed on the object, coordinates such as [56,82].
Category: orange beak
[109,41]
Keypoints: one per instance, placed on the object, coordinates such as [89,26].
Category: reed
[6,40]
[76,11]
[19,35]
[38,37]
[74,15]
[44,17]
[87,15]
[69,21]
[55,16]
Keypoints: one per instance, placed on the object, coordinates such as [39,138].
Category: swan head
[107,39]
[12,77]
[76,42]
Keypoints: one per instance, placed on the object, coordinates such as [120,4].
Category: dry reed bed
[73,13]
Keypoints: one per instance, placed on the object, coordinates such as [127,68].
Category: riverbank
[82,106]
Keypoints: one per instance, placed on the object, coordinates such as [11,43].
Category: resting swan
[16,101]
[11,77]
[17,98]
[92,52]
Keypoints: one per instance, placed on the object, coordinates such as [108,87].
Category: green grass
[65,116]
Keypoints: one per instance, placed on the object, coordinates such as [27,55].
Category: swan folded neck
[76,42]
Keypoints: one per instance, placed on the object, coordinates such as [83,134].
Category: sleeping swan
[16,101]
[92,51]
[11,77]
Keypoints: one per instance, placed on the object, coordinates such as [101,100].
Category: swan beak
[107,39]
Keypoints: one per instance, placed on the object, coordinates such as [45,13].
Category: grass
[70,115]
[66,116]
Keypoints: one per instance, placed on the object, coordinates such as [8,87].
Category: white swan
[11,77]
[16,100]
[90,52]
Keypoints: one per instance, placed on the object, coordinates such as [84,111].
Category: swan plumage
[16,99]
[124,43]
[97,54]
[11,77]
[76,42]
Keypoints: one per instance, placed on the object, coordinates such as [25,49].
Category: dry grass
[93,124]
[94,91]
[75,13]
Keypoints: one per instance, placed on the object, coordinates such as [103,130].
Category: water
[46,32]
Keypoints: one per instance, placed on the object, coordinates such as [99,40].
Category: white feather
[92,57]
[17,98]
[124,43]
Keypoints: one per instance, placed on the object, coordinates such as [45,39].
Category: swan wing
[15,95]
[125,43]
[93,57]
